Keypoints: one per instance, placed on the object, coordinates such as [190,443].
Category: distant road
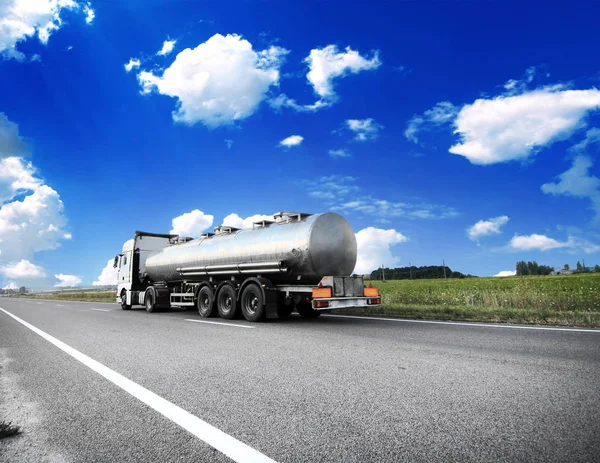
[91,382]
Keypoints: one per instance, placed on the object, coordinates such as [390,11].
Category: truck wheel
[306,311]
[149,300]
[205,302]
[124,305]
[253,304]
[226,302]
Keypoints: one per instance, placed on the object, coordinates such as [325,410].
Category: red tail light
[320,304]
[374,301]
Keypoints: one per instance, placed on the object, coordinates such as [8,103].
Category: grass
[8,429]
[87,296]
[558,300]
[570,300]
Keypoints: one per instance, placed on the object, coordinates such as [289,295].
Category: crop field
[87,296]
[560,300]
[572,300]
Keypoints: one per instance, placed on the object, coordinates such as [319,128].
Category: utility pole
[444,265]
[382,273]
[410,271]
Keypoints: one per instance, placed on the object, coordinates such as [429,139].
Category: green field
[89,296]
[557,300]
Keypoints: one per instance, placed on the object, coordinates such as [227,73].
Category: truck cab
[130,265]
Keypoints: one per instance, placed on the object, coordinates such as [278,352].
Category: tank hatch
[288,217]
[224,229]
[262,223]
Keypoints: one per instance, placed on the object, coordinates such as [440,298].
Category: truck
[295,262]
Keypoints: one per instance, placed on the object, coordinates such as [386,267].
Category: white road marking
[100,310]
[224,443]
[520,327]
[218,323]
[60,305]
[72,302]
[40,303]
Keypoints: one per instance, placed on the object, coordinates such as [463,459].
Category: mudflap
[271,303]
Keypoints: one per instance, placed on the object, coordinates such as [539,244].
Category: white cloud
[577,182]
[364,129]
[67,280]
[515,127]
[12,285]
[221,81]
[342,194]
[374,248]
[191,223]
[229,143]
[292,140]
[11,143]
[31,212]
[22,270]
[24,19]
[487,227]
[340,153]
[441,114]
[537,242]
[108,276]
[234,220]
[16,175]
[133,63]
[90,14]
[167,47]
[327,64]
[506,273]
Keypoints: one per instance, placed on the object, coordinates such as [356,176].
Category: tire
[227,302]
[206,302]
[253,303]
[150,300]
[306,311]
[124,305]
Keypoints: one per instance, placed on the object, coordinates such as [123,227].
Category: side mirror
[116,262]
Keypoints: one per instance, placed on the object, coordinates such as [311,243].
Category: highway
[90,382]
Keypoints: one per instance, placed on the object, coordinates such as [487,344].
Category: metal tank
[299,248]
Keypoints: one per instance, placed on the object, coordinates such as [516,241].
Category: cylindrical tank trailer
[296,261]
[288,250]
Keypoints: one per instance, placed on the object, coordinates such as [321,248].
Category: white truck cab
[130,265]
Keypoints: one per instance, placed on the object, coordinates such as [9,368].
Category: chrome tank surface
[310,248]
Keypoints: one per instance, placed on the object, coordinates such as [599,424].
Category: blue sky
[464,131]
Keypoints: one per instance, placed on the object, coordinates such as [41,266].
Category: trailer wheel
[227,302]
[150,300]
[253,304]
[124,305]
[306,311]
[206,302]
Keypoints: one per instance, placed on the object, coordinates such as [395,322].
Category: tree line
[532,268]
[414,273]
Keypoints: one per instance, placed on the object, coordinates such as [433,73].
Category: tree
[567,267]
[597,268]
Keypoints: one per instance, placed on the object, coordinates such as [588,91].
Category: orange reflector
[320,304]
[369,292]
[321,292]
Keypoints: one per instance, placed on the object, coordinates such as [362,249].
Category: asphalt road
[330,389]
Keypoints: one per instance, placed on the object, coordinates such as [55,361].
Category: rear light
[320,304]
[321,292]
[374,301]
[370,292]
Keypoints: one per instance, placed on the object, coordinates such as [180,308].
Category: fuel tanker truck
[296,261]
